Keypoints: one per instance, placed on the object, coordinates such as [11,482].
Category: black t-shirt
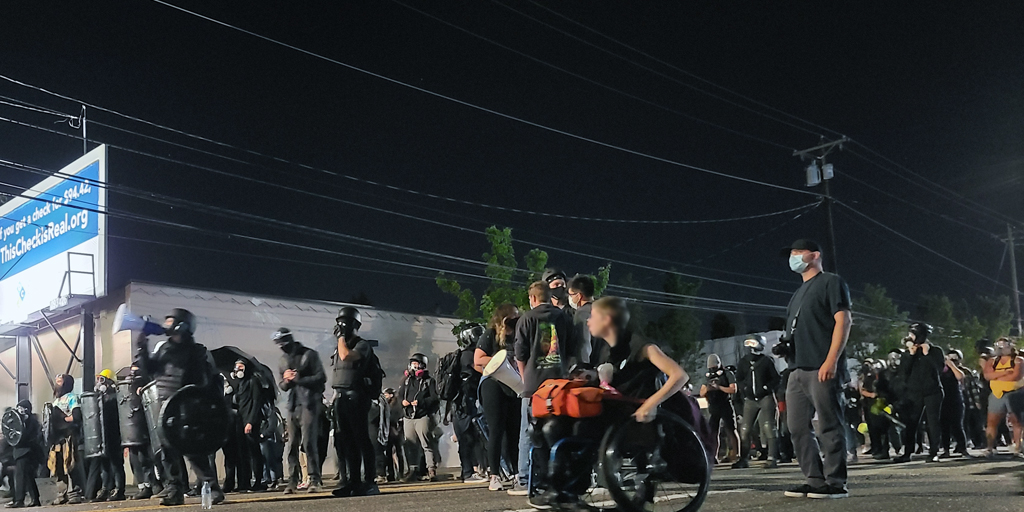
[718,399]
[470,377]
[635,376]
[489,344]
[813,307]
[541,338]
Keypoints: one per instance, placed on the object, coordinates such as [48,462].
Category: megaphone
[124,320]
[501,369]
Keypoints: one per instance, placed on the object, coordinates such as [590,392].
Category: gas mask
[239,372]
[1003,348]
[101,385]
[755,344]
[894,359]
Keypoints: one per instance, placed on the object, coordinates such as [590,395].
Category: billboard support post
[88,350]
[23,366]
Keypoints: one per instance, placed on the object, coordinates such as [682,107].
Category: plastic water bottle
[207,496]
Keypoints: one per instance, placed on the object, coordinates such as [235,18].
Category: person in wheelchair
[638,380]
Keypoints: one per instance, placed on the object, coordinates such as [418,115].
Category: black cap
[801,245]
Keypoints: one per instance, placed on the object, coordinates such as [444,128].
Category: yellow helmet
[106,374]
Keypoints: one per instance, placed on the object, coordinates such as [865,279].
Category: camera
[784,348]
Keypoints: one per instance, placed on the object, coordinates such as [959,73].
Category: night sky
[938,89]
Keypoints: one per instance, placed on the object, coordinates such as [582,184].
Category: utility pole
[819,172]
[1013,276]
[85,141]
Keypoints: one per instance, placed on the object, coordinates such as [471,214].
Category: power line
[670,66]
[592,81]
[489,110]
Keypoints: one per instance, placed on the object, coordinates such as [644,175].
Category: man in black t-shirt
[819,320]
[720,386]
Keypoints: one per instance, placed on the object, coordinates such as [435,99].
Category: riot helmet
[470,335]
[180,324]
[1003,346]
[955,355]
[756,343]
[417,365]
[348,322]
[24,408]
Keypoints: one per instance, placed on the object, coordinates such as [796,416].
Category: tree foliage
[506,282]
[678,328]
[878,325]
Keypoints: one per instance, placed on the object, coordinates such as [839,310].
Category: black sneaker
[799,491]
[829,492]
[743,463]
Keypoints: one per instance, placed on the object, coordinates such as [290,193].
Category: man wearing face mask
[556,280]
[354,369]
[757,378]
[175,363]
[107,470]
[921,367]
[302,377]
[581,299]
[819,318]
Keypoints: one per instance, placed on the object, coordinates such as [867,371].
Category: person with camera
[953,377]
[818,326]
[720,385]
[420,402]
[1003,373]
[302,377]
[921,366]
[355,375]
[177,363]
[757,378]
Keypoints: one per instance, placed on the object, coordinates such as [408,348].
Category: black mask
[345,329]
[560,293]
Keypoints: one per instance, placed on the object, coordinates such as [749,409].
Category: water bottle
[207,496]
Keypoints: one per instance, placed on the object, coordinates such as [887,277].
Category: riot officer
[174,364]
[353,367]
[107,468]
[302,377]
[757,378]
[27,452]
[135,434]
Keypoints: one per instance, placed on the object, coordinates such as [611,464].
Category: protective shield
[12,427]
[130,416]
[151,405]
[92,424]
[194,421]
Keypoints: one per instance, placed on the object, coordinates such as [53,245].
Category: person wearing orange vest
[1003,373]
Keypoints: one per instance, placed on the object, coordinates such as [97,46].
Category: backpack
[449,376]
[373,375]
[562,397]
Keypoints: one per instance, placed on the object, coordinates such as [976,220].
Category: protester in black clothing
[237,471]
[502,407]
[921,366]
[541,353]
[556,280]
[465,412]
[394,451]
[251,399]
[581,298]
[785,441]
[379,421]
[107,470]
[720,386]
[756,379]
[26,458]
[177,363]
[352,395]
[952,376]
[874,389]
[420,404]
[302,377]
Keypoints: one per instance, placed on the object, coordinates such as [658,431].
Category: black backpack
[449,376]
[373,375]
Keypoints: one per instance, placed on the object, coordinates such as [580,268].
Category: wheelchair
[617,463]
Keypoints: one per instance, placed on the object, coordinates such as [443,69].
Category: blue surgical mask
[797,263]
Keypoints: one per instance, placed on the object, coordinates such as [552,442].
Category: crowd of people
[814,411]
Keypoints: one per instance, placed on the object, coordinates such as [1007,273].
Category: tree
[506,285]
[937,310]
[878,325]
[722,327]
[678,329]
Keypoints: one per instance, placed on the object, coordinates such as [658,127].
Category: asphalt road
[975,485]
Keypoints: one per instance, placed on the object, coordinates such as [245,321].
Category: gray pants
[304,433]
[760,412]
[421,430]
[805,396]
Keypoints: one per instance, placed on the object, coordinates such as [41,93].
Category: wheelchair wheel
[659,466]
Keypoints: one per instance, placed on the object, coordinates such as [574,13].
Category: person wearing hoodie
[65,458]
[717,390]
[27,456]
[757,379]
[420,403]
[921,367]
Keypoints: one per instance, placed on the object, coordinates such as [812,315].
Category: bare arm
[677,378]
[957,372]
[480,360]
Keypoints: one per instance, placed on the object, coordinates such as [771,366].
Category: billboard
[53,240]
